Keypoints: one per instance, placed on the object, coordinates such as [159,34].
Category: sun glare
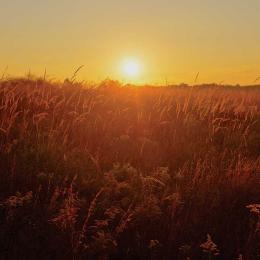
[131,68]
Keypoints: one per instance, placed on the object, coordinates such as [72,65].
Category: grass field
[124,172]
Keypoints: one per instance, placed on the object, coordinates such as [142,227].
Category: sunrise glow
[131,68]
[174,39]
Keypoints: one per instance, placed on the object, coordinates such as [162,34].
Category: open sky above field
[162,40]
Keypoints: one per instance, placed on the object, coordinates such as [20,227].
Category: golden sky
[171,40]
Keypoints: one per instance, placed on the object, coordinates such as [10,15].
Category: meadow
[123,172]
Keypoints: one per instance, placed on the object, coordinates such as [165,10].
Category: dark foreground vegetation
[113,172]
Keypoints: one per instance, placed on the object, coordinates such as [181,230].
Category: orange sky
[172,40]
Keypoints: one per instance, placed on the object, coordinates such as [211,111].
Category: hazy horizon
[173,41]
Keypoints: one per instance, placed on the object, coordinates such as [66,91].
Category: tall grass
[116,172]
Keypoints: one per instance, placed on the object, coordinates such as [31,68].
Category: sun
[131,68]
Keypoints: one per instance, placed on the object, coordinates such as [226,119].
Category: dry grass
[112,172]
